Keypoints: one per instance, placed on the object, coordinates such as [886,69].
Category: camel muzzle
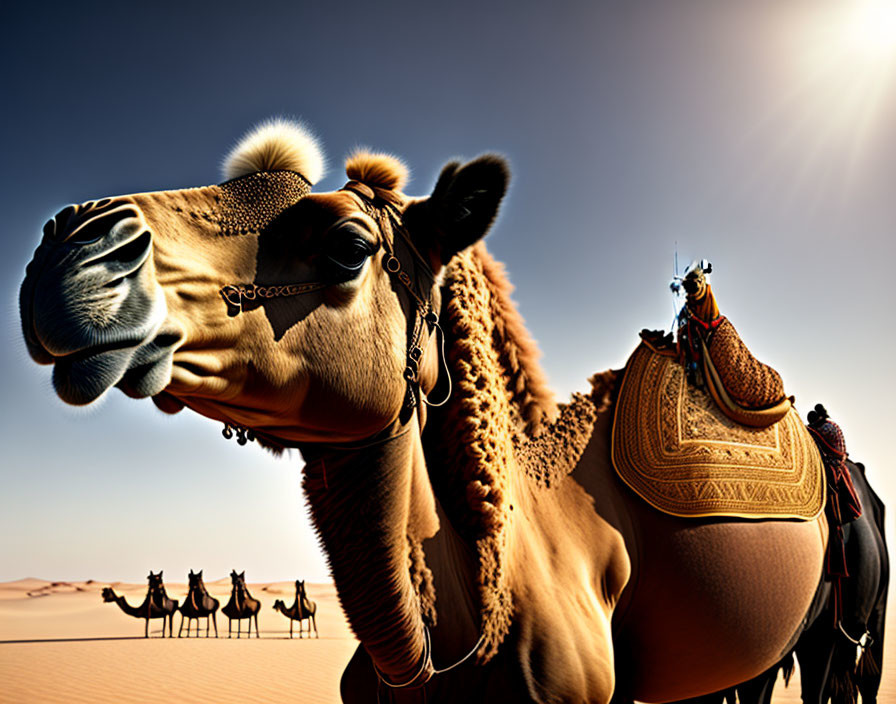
[90,303]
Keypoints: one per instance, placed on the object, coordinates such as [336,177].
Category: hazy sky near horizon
[757,133]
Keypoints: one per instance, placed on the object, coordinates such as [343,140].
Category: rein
[427,670]
[864,640]
[315,468]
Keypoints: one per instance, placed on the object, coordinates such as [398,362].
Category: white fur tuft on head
[276,145]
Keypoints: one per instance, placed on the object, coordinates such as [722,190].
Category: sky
[756,133]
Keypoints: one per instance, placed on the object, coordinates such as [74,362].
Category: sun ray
[819,132]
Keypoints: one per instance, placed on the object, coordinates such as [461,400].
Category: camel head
[155,581]
[279,605]
[195,579]
[253,302]
[108,595]
[309,318]
[238,580]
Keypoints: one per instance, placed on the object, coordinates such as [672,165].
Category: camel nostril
[131,252]
[98,226]
[167,339]
[57,226]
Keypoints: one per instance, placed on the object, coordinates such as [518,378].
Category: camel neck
[131,610]
[380,492]
[452,562]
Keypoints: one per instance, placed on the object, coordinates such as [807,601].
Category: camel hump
[556,451]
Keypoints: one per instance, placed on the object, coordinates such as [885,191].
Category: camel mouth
[101,322]
[140,369]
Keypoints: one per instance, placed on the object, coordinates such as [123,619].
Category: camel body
[827,649]
[302,609]
[198,604]
[631,601]
[156,604]
[313,323]
[241,605]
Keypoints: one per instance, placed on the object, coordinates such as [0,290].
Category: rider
[843,504]
[698,317]
[716,359]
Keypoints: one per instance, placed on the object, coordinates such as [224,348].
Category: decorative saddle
[746,390]
[676,448]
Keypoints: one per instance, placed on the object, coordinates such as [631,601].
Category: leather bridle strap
[384,208]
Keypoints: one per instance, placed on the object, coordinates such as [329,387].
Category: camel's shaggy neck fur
[500,422]
[500,415]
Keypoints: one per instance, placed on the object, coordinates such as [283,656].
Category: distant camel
[241,605]
[301,609]
[155,605]
[198,604]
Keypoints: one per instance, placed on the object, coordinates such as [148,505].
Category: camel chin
[139,372]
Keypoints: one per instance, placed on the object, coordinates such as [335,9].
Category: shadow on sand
[273,635]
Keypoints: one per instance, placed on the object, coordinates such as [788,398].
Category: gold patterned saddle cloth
[678,451]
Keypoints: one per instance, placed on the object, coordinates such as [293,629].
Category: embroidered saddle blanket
[677,450]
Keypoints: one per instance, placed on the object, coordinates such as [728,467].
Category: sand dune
[59,642]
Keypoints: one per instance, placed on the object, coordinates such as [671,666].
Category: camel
[155,605]
[241,605]
[198,604]
[301,609]
[482,547]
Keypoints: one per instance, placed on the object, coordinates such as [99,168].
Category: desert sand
[59,642]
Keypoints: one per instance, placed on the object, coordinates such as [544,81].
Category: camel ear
[462,206]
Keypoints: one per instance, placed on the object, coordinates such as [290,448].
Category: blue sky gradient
[751,133]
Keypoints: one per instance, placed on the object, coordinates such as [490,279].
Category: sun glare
[872,31]
[838,82]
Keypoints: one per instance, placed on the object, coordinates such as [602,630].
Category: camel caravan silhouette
[302,608]
[199,604]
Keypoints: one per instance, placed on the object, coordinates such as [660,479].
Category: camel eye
[348,252]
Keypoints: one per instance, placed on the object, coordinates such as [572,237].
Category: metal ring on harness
[391,264]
